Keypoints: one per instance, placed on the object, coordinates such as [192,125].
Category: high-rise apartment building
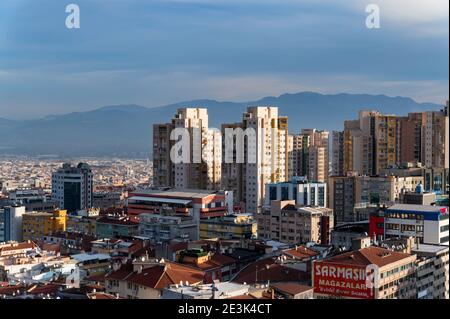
[163,168]
[72,187]
[270,164]
[376,142]
[337,166]
[201,166]
[370,143]
[424,138]
[310,153]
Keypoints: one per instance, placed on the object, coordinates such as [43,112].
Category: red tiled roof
[243,297]
[216,261]
[291,288]
[127,221]
[102,295]
[10,290]
[17,246]
[178,246]
[301,252]
[268,270]
[159,276]
[44,289]
[123,272]
[370,255]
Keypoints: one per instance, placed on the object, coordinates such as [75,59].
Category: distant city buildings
[310,154]
[376,141]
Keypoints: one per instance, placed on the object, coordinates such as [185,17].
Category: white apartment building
[248,180]
[299,189]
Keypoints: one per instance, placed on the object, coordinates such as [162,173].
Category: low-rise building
[93,263]
[343,237]
[162,228]
[368,273]
[428,224]
[193,202]
[82,224]
[35,225]
[216,266]
[104,200]
[69,242]
[286,222]
[432,275]
[146,279]
[235,226]
[292,290]
[112,226]
[218,290]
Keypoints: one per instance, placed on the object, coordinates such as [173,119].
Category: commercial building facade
[73,187]
[300,190]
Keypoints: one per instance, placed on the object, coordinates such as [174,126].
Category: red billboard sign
[348,281]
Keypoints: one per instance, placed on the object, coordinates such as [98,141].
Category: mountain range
[126,130]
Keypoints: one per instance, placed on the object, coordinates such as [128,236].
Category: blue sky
[155,52]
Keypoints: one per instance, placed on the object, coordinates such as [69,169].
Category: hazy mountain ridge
[127,129]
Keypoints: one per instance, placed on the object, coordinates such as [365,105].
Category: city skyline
[302,160]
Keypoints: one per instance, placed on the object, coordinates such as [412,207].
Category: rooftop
[159,276]
[181,193]
[366,256]
[88,257]
[301,252]
[426,248]
[223,289]
[291,288]
[418,208]
[268,269]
